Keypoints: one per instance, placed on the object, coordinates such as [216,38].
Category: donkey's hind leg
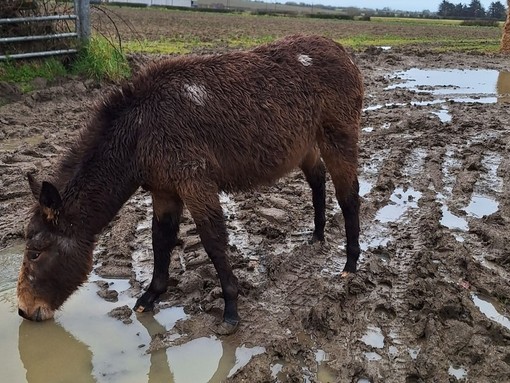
[339,151]
[165,227]
[315,174]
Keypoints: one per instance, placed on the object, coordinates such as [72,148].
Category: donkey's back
[246,118]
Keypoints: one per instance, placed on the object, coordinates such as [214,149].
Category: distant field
[262,6]
[172,31]
[406,20]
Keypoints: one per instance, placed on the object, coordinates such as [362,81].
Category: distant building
[166,3]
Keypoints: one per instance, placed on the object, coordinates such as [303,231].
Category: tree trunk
[505,40]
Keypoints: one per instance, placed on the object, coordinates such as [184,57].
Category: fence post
[82,9]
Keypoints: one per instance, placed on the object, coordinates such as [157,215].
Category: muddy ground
[408,315]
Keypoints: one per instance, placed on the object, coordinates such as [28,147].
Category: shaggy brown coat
[186,129]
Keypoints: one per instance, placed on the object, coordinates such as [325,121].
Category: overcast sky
[405,5]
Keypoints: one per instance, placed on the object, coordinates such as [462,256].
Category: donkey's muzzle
[36,316]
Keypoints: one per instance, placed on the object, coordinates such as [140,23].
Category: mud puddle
[83,343]
[489,308]
[474,85]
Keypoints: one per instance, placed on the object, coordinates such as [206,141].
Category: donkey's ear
[35,186]
[50,200]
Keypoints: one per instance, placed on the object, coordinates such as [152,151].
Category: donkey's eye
[33,255]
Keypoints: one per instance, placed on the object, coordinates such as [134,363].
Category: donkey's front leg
[165,226]
[208,216]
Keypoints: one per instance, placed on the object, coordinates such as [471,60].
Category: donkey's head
[57,257]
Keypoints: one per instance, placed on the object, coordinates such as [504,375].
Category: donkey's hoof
[226,328]
[316,238]
[142,308]
[345,274]
[139,309]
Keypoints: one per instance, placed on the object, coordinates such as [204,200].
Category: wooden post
[82,9]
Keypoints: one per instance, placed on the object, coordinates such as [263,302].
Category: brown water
[83,344]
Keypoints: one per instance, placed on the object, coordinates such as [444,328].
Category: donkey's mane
[104,112]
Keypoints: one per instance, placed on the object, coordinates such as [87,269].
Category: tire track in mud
[449,175]
[404,163]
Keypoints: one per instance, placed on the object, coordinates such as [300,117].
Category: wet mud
[431,301]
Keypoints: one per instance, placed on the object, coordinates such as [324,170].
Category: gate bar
[37,37]
[37,18]
[37,54]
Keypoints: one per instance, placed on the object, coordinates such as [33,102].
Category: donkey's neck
[104,179]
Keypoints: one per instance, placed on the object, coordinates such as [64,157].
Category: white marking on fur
[196,93]
[305,60]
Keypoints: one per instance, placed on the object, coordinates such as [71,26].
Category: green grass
[162,46]
[185,46]
[248,41]
[24,73]
[360,42]
[435,44]
[101,60]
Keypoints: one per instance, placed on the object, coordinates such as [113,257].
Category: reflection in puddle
[84,344]
[364,187]
[413,352]
[370,170]
[372,356]
[324,373]
[276,369]
[444,115]
[450,166]
[459,373]
[393,351]
[450,82]
[503,87]
[373,337]
[481,205]
[488,309]
[402,201]
[451,221]
[377,240]
[243,355]
[387,105]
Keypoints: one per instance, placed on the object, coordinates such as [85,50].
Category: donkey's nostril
[38,316]
[22,313]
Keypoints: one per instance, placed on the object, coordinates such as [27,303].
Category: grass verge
[23,74]
[99,59]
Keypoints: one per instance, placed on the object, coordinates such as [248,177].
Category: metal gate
[80,16]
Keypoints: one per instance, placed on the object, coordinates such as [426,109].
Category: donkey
[186,129]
